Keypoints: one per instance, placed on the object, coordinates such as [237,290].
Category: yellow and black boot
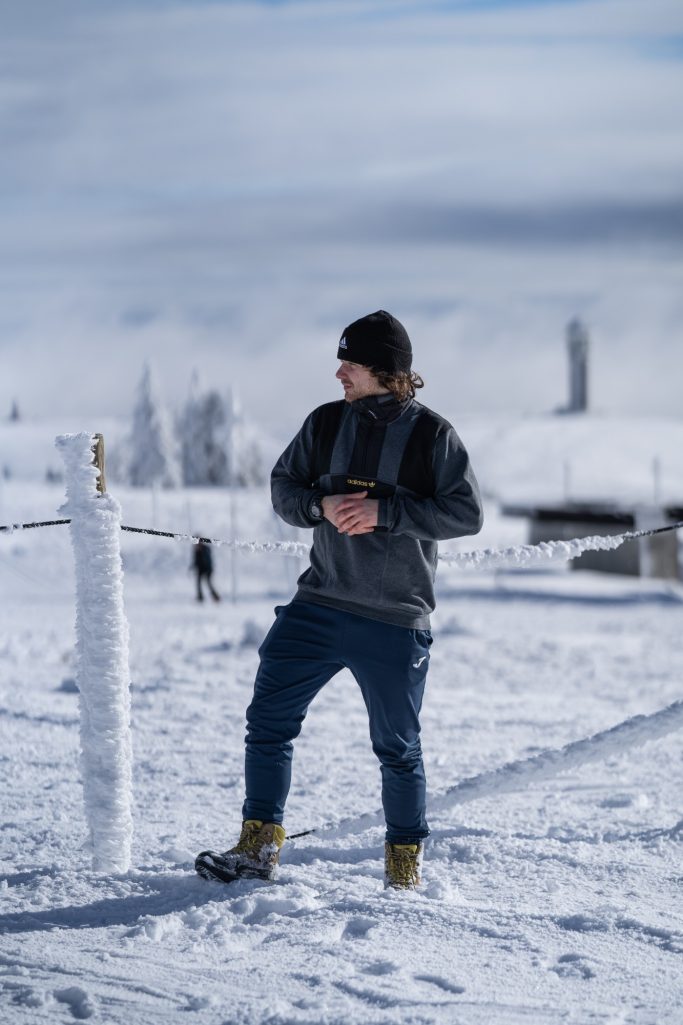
[402,865]
[255,855]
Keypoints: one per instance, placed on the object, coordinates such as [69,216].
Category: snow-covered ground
[557,903]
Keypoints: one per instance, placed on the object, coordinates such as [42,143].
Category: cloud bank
[227,185]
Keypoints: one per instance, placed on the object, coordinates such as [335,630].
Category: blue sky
[227,185]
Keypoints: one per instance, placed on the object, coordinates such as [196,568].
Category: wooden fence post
[98,461]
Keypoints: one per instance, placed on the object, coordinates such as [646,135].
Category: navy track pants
[306,646]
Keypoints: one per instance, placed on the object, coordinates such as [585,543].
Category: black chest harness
[354,451]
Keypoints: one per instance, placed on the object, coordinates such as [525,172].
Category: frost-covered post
[102,670]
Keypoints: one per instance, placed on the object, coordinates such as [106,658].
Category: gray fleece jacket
[414,463]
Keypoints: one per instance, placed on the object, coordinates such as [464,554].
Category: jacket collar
[380,409]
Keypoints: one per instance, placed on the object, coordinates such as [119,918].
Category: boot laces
[248,842]
[403,865]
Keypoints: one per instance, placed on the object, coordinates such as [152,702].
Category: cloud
[232,183]
[656,223]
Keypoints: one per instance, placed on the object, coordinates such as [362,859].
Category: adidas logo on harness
[363,483]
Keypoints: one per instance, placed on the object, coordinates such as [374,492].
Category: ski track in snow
[556,902]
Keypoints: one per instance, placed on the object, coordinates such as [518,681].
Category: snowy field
[560,903]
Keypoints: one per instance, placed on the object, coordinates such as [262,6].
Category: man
[202,563]
[380,479]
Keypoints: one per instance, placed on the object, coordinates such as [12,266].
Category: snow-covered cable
[295,548]
[14,528]
[515,776]
[545,551]
[515,556]
[102,672]
[479,559]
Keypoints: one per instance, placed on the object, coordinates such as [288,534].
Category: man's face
[358,381]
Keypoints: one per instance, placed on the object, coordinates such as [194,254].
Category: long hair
[402,385]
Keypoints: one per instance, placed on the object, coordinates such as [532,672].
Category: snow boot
[402,865]
[255,855]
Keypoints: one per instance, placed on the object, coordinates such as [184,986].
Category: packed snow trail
[102,672]
[515,776]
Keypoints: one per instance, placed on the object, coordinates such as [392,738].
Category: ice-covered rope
[294,548]
[13,528]
[540,768]
[546,551]
[478,559]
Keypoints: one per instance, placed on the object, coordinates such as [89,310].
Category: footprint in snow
[77,1000]
[380,968]
[444,984]
[583,923]
[358,928]
[573,966]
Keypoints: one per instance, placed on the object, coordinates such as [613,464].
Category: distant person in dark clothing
[202,563]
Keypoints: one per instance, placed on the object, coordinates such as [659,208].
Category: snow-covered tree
[249,469]
[201,429]
[245,454]
[217,446]
[153,453]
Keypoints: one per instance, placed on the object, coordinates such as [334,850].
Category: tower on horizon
[577,344]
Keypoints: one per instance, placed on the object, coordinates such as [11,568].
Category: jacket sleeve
[291,487]
[454,510]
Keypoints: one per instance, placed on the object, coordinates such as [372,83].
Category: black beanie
[378,341]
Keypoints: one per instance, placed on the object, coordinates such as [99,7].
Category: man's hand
[351,514]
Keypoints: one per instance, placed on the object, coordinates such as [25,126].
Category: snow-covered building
[653,556]
[577,476]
